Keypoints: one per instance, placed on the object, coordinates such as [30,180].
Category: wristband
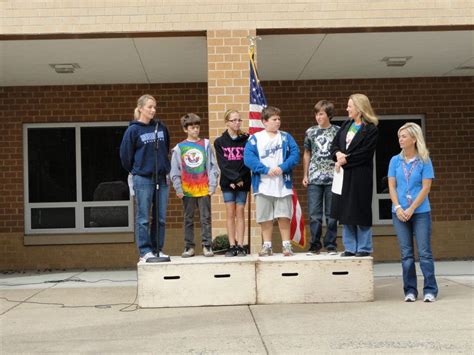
[397,207]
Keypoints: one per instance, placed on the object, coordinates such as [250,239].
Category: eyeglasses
[235,120]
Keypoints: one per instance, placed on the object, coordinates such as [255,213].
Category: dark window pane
[387,147]
[97,217]
[47,218]
[385,209]
[51,165]
[103,178]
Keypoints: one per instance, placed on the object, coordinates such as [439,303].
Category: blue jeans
[357,238]
[316,195]
[418,226]
[146,235]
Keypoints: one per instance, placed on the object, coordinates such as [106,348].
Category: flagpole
[252,46]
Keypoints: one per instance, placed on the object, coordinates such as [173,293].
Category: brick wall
[65,16]
[446,103]
[449,112]
[228,82]
[85,103]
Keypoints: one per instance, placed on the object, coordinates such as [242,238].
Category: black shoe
[331,251]
[362,253]
[241,251]
[347,253]
[233,250]
[313,249]
[246,247]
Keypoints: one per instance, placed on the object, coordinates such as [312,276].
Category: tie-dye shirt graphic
[194,179]
[353,129]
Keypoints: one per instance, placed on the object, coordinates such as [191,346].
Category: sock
[267,244]
[286,243]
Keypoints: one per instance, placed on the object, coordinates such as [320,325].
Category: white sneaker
[207,251]
[265,251]
[429,297]
[410,297]
[286,250]
[162,255]
[147,256]
[188,253]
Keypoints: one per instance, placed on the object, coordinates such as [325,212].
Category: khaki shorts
[268,208]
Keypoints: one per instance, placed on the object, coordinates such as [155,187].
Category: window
[74,181]
[387,147]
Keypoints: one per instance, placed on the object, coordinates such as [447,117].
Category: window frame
[376,197]
[78,205]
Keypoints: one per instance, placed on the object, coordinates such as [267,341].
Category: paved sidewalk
[93,312]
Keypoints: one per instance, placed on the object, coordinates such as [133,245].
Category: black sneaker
[363,253]
[241,251]
[232,251]
[331,251]
[347,253]
[246,247]
[313,249]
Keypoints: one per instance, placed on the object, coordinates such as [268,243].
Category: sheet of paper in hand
[337,181]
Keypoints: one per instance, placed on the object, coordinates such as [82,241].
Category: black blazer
[354,205]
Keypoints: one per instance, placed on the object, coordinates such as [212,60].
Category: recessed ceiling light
[396,61]
[65,68]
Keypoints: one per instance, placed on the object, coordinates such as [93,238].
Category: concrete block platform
[197,281]
[307,278]
[216,281]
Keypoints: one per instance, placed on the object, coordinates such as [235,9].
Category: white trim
[78,205]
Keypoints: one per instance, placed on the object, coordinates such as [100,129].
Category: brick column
[228,87]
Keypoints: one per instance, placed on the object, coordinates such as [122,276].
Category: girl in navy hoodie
[144,153]
[234,181]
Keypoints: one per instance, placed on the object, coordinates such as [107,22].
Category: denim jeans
[357,238]
[238,197]
[204,204]
[316,195]
[145,195]
[418,228]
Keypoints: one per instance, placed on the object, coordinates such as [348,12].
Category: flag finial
[253,40]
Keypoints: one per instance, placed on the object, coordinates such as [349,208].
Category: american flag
[257,98]
[257,103]
[297,223]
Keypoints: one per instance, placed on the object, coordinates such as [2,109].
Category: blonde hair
[362,103]
[140,103]
[228,113]
[416,133]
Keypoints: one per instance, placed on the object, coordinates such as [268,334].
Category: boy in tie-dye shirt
[194,175]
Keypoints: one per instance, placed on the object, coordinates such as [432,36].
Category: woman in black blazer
[353,151]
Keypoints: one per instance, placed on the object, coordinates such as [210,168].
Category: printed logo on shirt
[233,153]
[193,158]
[150,137]
[271,150]
[323,144]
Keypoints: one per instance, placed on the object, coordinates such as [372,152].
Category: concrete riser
[291,280]
[201,281]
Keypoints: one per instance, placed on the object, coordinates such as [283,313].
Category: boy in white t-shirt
[271,155]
